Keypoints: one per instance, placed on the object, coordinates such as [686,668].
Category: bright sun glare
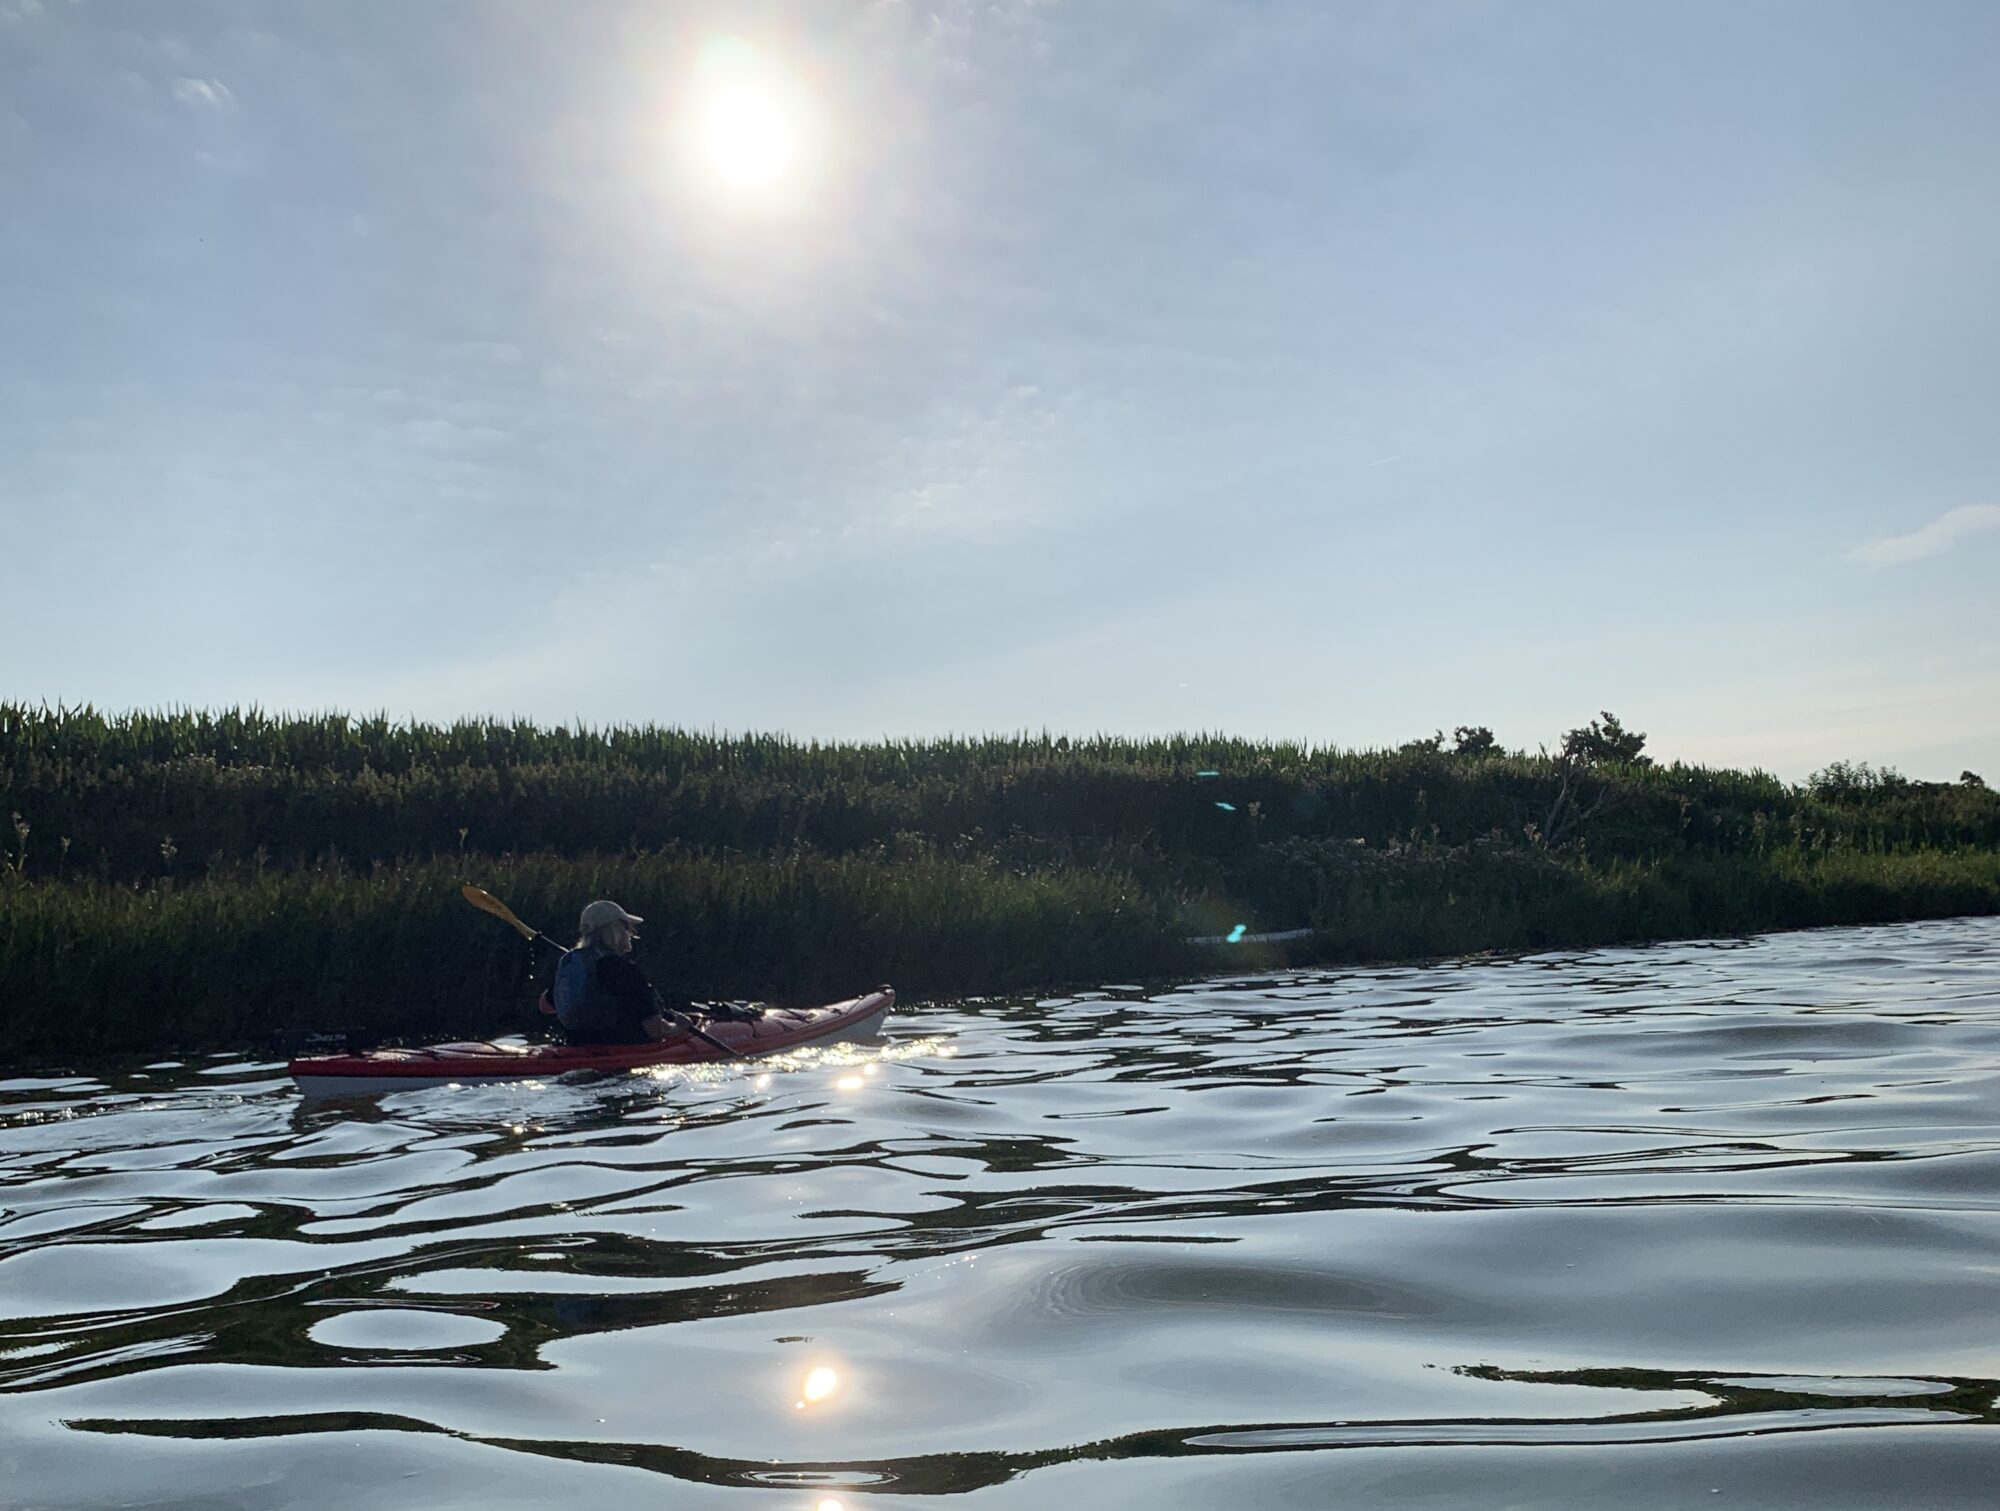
[821,1383]
[748,121]
[747,135]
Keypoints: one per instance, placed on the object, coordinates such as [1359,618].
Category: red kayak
[780,1028]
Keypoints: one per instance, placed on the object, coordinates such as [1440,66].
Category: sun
[750,125]
[748,136]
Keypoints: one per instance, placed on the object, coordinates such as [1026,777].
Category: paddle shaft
[486,902]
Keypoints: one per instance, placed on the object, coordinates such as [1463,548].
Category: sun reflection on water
[820,1384]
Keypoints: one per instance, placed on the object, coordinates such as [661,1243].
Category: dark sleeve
[623,982]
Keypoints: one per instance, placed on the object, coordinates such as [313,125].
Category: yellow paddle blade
[486,902]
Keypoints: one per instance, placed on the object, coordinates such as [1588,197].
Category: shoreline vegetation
[192,880]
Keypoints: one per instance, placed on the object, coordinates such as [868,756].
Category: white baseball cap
[601,912]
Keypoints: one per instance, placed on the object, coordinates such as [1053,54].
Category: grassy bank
[195,879]
[96,969]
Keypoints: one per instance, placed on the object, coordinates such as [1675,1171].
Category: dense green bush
[150,796]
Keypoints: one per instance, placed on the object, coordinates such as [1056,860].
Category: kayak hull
[478,1064]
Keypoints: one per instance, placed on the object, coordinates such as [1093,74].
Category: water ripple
[1613,1228]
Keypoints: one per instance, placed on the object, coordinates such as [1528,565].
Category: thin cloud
[204,94]
[1934,538]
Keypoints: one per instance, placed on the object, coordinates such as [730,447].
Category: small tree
[1847,781]
[1605,739]
[1582,792]
[1971,779]
[1473,740]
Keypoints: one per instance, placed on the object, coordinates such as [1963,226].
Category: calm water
[1709,1224]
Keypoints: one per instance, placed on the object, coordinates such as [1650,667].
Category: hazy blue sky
[1322,370]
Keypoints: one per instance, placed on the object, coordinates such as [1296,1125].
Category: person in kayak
[600,996]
